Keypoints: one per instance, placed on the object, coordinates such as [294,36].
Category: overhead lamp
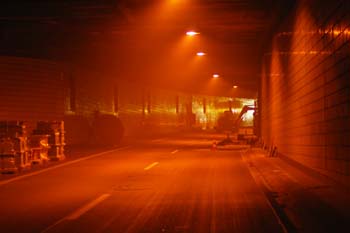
[192,33]
[216,75]
[201,54]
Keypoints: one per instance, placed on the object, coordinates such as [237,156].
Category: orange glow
[235,87]
[192,33]
[175,1]
[201,54]
[216,76]
[168,9]
[328,31]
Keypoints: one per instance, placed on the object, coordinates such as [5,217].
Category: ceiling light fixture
[192,33]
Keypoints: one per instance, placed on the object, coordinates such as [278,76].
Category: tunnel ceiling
[142,40]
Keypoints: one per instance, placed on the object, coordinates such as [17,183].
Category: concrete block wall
[142,109]
[151,109]
[31,89]
[93,92]
[34,89]
[305,88]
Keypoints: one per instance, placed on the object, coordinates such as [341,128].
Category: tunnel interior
[131,65]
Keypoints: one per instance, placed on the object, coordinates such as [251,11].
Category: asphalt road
[164,187]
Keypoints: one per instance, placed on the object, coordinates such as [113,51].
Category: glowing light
[216,76]
[192,33]
[201,54]
[326,31]
[235,87]
[337,32]
[236,110]
[248,116]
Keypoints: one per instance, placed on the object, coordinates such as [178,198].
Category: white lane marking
[151,165]
[60,165]
[79,212]
[175,151]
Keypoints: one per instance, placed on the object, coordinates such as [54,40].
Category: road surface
[159,187]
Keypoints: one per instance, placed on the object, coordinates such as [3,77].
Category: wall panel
[305,93]
[31,89]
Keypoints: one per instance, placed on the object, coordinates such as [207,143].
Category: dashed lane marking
[79,212]
[150,166]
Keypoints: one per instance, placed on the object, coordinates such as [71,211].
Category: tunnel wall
[305,91]
[146,111]
[36,89]
[143,110]
[31,89]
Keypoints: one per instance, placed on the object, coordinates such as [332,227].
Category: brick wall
[31,89]
[93,92]
[142,109]
[305,91]
[159,110]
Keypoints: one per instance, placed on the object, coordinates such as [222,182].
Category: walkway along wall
[305,91]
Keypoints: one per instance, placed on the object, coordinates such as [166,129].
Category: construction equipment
[39,147]
[55,133]
[14,152]
[245,132]
[20,148]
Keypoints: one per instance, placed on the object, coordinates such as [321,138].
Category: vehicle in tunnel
[241,124]
[245,124]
